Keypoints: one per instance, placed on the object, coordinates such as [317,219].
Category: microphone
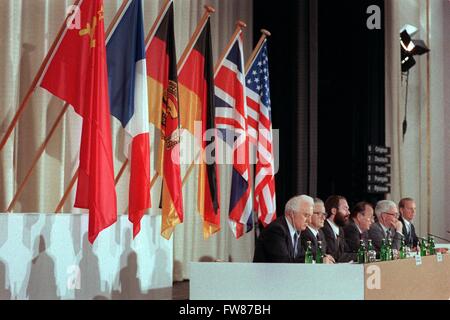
[433,235]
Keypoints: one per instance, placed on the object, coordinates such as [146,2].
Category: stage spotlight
[419,47]
[405,41]
[411,30]
[407,62]
[410,47]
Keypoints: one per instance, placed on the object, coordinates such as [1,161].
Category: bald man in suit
[280,240]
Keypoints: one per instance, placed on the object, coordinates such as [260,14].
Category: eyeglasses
[392,214]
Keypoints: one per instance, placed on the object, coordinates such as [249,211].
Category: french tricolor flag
[127,79]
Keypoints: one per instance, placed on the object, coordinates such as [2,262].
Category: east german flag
[197,104]
[164,114]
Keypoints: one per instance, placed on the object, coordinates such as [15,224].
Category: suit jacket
[411,239]
[307,235]
[336,246]
[377,234]
[353,236]
[274,244]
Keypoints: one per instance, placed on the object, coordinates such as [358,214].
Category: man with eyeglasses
[314,233]
[388,225]
[407,208]
[357,228]
[337,217]
[280,240]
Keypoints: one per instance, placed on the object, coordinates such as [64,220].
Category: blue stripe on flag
[239,185]
[234,56]
[123,51]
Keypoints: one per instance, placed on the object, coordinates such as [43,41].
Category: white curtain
[28,30]
[420,162]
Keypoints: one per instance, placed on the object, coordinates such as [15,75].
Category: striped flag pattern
[127,78]
[164,114]
[231,119]
[260,132]
[196,94]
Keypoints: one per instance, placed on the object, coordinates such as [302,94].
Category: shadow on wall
[5,293]
[129,285]
[160,272]
[42,282]
[89,286]
[161,265]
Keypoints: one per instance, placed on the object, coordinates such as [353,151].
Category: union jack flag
[231,118]
[260,132]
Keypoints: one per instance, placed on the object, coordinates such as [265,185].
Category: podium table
[399,279]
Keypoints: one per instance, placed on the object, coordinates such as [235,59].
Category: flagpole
[34,84]
[75,176]
[196,34]
[239,26]
[113,22]
[258,46]
[262,39]
[67,192]
[157,22]
[149,37]
[181,61]
[36,158]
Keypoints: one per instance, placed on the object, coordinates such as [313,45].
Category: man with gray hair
[388,225]
[280,240]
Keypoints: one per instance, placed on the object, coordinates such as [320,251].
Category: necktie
[318,237]
[295,244]
[388,233]
[408,228]
[337,242]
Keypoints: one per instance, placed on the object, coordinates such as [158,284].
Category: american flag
[231,118]
[260,132]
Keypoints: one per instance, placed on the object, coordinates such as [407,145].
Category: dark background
[327,92]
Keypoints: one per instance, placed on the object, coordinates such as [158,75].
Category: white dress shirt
[334,227]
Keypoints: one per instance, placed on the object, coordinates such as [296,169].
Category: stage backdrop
[28,30]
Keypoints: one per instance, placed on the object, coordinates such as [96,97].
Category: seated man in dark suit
[280,240]
[356,229]
[314,233]
[407,208]
[387,227]
[337,217]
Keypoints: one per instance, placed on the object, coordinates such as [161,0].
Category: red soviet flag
[77,74]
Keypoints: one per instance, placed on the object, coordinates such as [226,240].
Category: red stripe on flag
[139,199]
